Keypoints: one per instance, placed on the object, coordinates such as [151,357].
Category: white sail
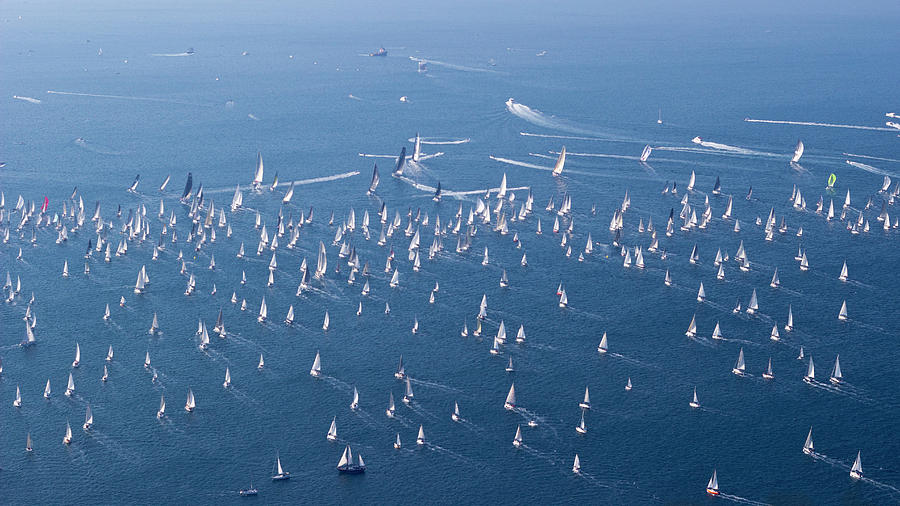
[510,403]
[739,366]
[713,485]
[316,369]
[857,471]
[560,162]
[88,418]
[227,382]
[810,371]
[645,154]
[576,465]
[798,152]
[842,315]
[332,431]
[603,347]
[836,375]
[258,175]
[420,439]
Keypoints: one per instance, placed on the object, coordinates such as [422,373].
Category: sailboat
[278,473]
[836,376]
[808,444]
[147,360]
[227,382]
[645,154]
[28,446]
[769,374]
[576,465]
[263,311]
[88,419]
[397,443]
[105,376]
[375,181]
[408,393]
[316,370]
[354,404]
[628,385]
[327,322]
[161,413]
[347,465]
[581,428]
[455,416]
[843,275]
[510,403]
[712,487]
[586,403]
[190,404]
[739,366]
[856,472]
[509,366]
[47,390]
[842,315]
[67,439]
[332,431]
[77,360]
[695,402]
[517,440]
[798,152]
[391,407]
[753,306]
[789,326]
[106,314]
[692,328]
[420,439]
[701,293]
[18,402]
[560,162]
[717,332]
[258,175]
[70,388]
[810,371]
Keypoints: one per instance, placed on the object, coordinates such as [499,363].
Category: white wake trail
[298,182]
[453,66]
[431,140]
[813,123]
[27,99]
[871,157]
[870,169]
[572,137]
[538,118]
[122,97]
[597,155]
[451,193]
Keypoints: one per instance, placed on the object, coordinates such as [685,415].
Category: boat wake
[353,97]
[453,66]
[451,193]
[170,55]
[368,155]
[541,420]
[299,182]
[125,97]
[437,142]
[431,384]
[872,157]
[336,383]
[538,118]
[27,99]
[741,500]
[870,169]
[593,155]
[96,149]
[571,137]
[419,410]
[812,123]
[840,390]
[450,453]
[632,360]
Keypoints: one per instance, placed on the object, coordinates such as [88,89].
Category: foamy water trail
[123,97]
[170,55]
[299,182]
[453,66]
[27,99]
[813,123]
[597,155]
[521,164]
[737,149]
[432,384]
[353,97]
[451,193]
[572,137]
[871,157]
[367,155]
[741,500]
[538,118]
[428,157]
[434,141]
[870,169]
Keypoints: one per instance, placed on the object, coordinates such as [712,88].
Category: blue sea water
[601,84]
